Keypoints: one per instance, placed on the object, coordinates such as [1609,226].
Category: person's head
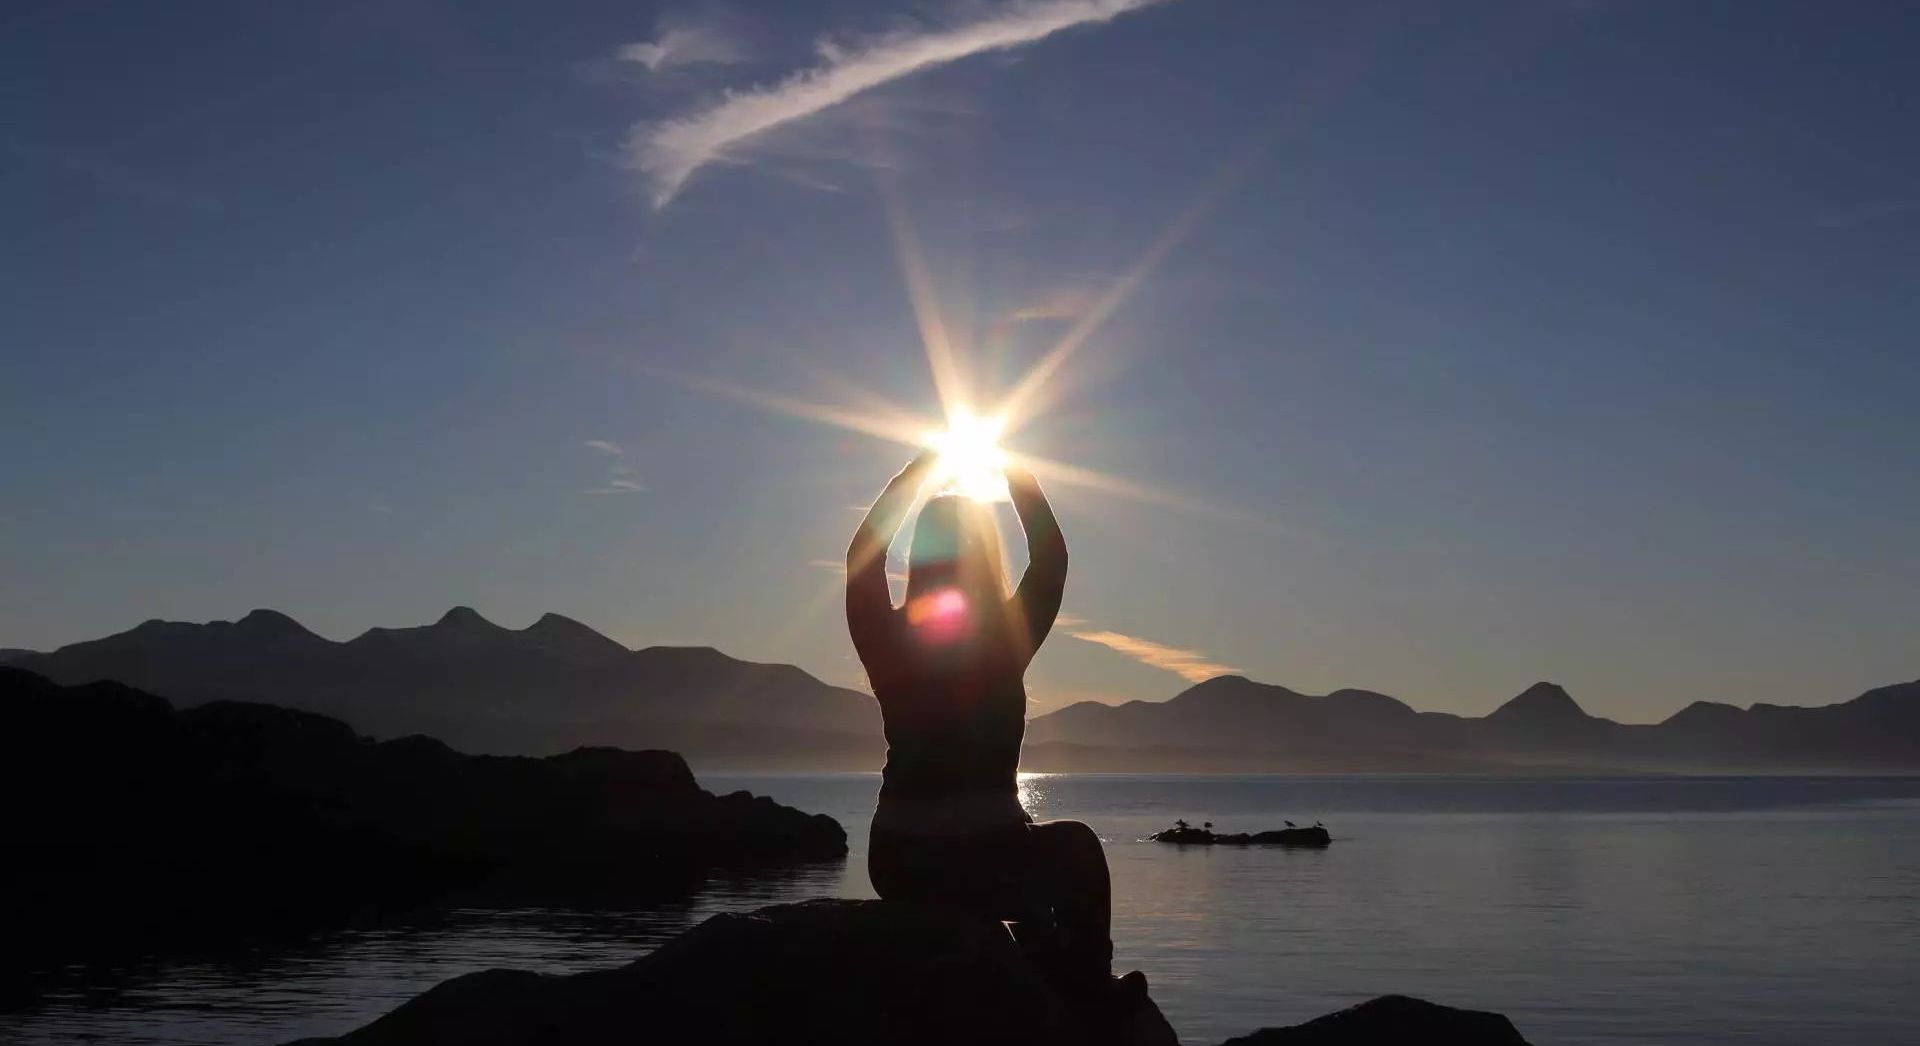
[956,546]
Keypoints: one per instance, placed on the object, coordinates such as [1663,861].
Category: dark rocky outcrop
[850,973]
[1392,1020]
[132,826]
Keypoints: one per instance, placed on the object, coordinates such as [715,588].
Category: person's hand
[915,471]
[922,463]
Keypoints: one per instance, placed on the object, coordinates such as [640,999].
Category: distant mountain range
[483,688]
[1233,723]
[558,684]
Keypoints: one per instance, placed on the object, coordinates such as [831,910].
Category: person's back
[947,667]
[948,737]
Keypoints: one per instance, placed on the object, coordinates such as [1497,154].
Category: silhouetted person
[947,668]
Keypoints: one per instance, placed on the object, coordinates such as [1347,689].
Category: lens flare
[940,616]
[971,461]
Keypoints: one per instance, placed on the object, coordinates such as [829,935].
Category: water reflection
[1033,795]
[344,980]
[1767,911]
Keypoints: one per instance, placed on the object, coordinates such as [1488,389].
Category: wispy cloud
[1062,304]
[671,151]
[678,46]
[1194,666]
[621,477]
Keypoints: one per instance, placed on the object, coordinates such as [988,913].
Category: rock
[850,973]
[136,827]
[1186,835]
[1392,1020]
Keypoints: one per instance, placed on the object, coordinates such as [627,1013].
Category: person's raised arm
[1037,600]
[868,601]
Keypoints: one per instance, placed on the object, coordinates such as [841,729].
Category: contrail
[671,151]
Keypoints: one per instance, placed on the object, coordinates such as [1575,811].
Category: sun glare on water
[971,461]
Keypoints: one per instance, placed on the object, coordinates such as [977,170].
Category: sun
[971,461]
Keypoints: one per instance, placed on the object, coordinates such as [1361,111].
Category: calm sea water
[1639,910]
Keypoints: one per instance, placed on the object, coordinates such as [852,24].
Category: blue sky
[1487,342]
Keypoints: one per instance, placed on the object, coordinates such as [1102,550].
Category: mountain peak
[464,617]
[1704,715]
[1234,693]
[1214,688]
[273,621]
[552,622]
[1542,700]
[562,632]
[1369,700]
[1223,681]
[1227,684]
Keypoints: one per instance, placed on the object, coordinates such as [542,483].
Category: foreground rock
[1392,1020]
[135,827]
[852,973]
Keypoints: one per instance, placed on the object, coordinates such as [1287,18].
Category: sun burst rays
[972,431]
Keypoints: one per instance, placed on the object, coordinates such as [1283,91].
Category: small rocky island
[851,973]
[1184,834]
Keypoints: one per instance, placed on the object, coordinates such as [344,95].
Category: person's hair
[956,541]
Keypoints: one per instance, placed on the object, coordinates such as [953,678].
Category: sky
[1429,349]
